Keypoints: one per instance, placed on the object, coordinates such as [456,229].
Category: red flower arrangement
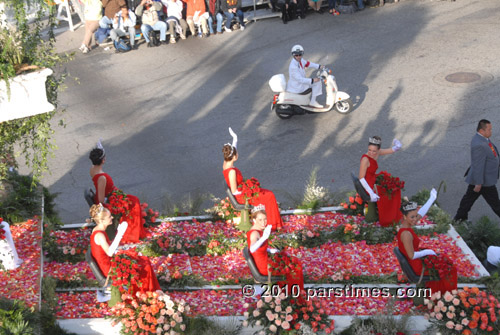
[389,183]
[2,231]
[148,214]
[439,266]
[119,206]
[124,270]
[354,206]
[249,188]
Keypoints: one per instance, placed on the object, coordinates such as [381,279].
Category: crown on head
[259,207]
[373,140]
[411,206]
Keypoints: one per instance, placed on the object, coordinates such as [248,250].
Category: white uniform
[493,255]
[297,80]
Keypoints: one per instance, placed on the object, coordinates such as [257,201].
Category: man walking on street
[482,174]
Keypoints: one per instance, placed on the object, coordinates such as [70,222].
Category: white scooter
[287,104]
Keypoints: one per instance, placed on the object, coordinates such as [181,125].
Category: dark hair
[376,138]
[229,152]
[96,156]
[254,214]
[482,124]
[403,204]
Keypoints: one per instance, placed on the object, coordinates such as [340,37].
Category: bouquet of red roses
[438,265]
[124,270]
[119,206]
[389,183]
[284,265]
[2,231]
[249,188]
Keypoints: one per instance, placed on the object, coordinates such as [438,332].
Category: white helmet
[297,50]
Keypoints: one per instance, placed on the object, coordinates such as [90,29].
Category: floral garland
[389,183]
[124,271]
[439,266]
[469,311]
[119,206]
[249,188]
[282,312]
[150,313]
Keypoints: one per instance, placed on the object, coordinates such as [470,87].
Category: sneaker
[172,40]
[200,35]
[84,49]
[336,13]
[227,30]
[183,37]
[242,28]
[315,104]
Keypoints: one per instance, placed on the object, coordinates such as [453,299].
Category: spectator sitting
[123,22]
[111,7]
[214,12]
[196,14]
[231,8]
[148,10]
[289,10]
[316,5]
[174,19]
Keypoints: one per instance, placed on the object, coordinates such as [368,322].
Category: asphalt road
[163,113]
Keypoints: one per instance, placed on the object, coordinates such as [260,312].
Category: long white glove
[265,236]
[273,250]
[396,145]
[122,227]
[425,208]
[423,253]
[373,196]
[235,137]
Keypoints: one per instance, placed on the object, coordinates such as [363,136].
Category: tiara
[373,140]
[411,206]
[259,207]
[99,146]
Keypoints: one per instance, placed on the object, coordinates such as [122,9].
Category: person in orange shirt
[197,15]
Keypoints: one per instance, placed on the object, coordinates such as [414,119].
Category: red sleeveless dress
[442,285]
[148,279]
[260,258]
[135,230]
[389,211]
[265,197]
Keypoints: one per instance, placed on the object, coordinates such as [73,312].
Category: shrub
[480,235]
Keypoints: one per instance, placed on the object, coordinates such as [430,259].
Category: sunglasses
[299,55]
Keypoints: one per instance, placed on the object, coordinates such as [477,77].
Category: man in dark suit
[482,175]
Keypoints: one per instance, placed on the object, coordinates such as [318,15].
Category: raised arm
[396,145]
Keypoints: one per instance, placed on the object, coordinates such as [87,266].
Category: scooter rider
[297,81]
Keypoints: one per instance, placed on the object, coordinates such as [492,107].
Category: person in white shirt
[174,19]
[123,22]
[297,81]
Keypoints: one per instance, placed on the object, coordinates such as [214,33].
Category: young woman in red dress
[102,249]
[257,245]
[234,178]
[388,208]
[409,245]
[104,186]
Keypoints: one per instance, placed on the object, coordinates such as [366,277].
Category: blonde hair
[97,212]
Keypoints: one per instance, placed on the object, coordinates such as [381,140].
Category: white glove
[260,241]
[423,253]
[235,137]
[273,250]
[396,145]
[425,208]
[122,227]
[373,196]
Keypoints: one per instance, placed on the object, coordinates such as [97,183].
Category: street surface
[163,113]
